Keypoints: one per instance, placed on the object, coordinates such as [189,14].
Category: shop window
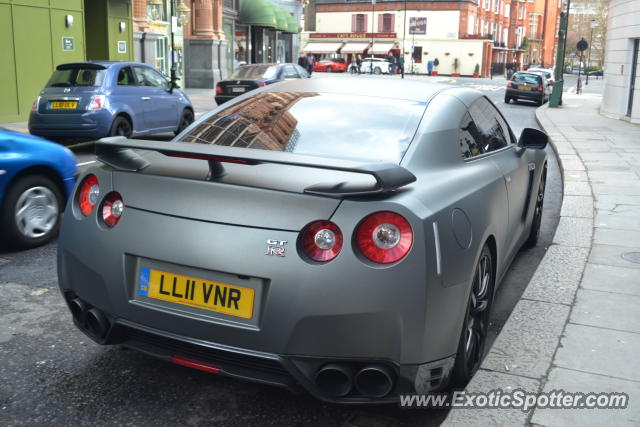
[417,54]
[359,23]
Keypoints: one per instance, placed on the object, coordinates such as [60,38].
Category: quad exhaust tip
[89,318]
[374,381]
[335,379]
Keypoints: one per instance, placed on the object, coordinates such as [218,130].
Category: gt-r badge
[276,247]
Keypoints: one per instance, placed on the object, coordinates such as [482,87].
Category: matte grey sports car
[309,235]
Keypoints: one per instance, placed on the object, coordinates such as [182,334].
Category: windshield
[528,78]
[360,128]
[76,77]
[255,72]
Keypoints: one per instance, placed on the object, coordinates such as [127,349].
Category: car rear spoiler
[118,153]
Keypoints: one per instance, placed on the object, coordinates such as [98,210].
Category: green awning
[292,24]
[281,18]
[257,12]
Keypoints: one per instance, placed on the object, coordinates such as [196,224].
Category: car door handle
[145,98]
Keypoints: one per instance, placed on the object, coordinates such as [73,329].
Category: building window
[472,24]
[417,54]
[156,10]
[533,27]
[496,6]
[386,23]
[359,23]
[521,14]
[161,54]
[486,4]
[507,10]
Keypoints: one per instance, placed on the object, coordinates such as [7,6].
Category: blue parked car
[101,98]
[36,178]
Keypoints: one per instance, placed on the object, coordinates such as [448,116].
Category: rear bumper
[90,124]
[524,94]
[221,99]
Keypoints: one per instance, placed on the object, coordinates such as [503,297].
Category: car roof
[99,64]
[412,90]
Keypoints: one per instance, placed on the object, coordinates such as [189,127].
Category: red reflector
[509,84]
[219,90]
[202,366]
[540,89]
[262,84]
[209,158]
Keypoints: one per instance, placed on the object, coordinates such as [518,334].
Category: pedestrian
[392,64]
[302,61]
[358,62]
[401,64]
[310,62]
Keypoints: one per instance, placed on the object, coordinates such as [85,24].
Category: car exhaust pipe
[97,324]
[374,381]
[79,310]
[334,379]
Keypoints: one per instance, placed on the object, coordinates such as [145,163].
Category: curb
[522,354]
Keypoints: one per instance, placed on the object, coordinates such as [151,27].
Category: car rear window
[361,128]
[76,77]
[528,78]
[253,72]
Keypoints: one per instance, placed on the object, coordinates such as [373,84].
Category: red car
[329,66]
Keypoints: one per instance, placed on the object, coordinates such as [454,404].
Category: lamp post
[373,16]
[404,34]
[181,19]
[593,25]
[556,95]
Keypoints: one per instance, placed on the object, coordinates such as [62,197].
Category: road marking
[86,163]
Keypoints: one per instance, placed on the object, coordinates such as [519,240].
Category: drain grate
[632,257]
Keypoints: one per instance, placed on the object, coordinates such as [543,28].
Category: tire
[540,101]
[121,126]
[507,99]
[329,70]
[185,120]
[534,234]
[31,212]
[377,71]
[473,337]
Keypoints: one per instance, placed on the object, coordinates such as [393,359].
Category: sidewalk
[577,326]
[203,100]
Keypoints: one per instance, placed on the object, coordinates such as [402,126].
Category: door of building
[634,72]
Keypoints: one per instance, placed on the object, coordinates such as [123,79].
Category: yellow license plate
[64,105]
[524,87]
[200,293]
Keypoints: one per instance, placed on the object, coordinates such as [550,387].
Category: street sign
[582,45]
[67,43]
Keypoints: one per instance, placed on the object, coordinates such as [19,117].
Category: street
[52,374]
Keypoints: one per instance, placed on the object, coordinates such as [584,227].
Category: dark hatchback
[528,86]
[253,76]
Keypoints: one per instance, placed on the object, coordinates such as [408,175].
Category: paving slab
[613,255]
[575,176]
[607,310]
[611,279]
[528,340]
[577,206]
[582,382]
[605,220]
[574,232]
[607,236]
[485,381]
[599,351]
[577,188]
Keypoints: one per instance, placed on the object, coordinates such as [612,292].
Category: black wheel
[121,127]
[541,101]
[329,70]
[507,99]
[30,215]
[534,234]
[185,120]
[473,337]
[377,70]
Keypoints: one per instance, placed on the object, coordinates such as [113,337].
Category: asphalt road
[51,374]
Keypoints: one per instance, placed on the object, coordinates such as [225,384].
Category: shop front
[347,46]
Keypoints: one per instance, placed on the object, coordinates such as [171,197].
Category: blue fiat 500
[101,98]
[36,178]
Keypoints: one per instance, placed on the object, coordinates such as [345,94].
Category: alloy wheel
[36,212]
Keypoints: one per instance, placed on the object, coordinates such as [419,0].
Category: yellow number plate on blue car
[64,105]
[200,293]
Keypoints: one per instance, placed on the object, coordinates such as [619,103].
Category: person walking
[392,64]
[358,62]
[310,62]
[401,65]
[302,61]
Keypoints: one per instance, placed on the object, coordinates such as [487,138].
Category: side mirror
[533,138]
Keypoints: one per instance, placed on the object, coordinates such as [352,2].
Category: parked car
[547,72]
[101,98]
[597,73]
[530,86]
[250,77]
[378,65]
[329,66]
[344,237]
[36,178]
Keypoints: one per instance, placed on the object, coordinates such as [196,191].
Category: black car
[529,86]
[597,73]
[253,76]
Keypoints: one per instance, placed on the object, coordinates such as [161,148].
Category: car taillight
[509,84]
[540,88]
[97,102]
[262,84]
[35,104]
[88,194]
[219,90]
[321,241]
[112,209]
[384,237]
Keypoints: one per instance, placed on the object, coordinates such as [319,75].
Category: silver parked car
[309,235]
